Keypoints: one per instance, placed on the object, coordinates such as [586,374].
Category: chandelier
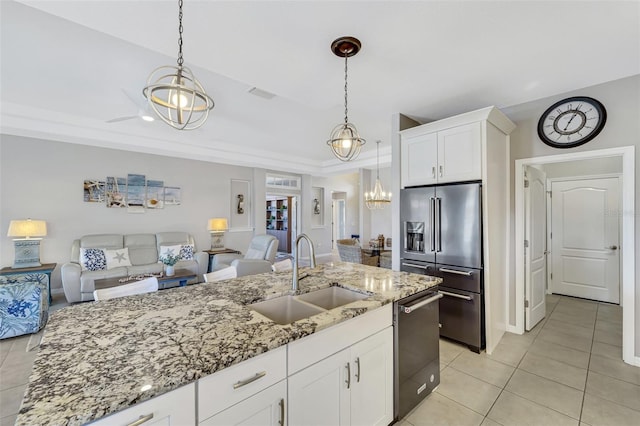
[345,142]
[174,93]
[377,199]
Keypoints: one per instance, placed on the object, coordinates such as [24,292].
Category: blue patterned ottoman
[24,303]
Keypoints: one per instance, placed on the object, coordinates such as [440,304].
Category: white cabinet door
[265,408]
[459,153]
[319,394]
[372,379]
[352,387]
[419,158]
[177,408]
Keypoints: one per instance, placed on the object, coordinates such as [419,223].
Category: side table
[45,268]
[212,254]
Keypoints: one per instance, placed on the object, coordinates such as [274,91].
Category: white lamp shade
[217,224]
[27,228]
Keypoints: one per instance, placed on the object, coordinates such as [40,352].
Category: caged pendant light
[377,199]
[345,142]
[174,93]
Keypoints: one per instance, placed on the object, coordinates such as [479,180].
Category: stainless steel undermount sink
[332,297]
[287,309]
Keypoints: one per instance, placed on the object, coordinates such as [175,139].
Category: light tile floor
[567,370]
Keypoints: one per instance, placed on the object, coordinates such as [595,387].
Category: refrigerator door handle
[457,296]
[438,224]
[453,271]
[413,265]
[432,230]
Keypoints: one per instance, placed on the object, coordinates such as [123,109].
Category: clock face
[572,122]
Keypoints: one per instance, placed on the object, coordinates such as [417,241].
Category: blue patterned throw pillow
[92,259]
[186,252]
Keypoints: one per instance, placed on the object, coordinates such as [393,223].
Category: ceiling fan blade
[115,120]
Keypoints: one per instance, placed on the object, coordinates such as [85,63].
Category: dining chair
[350,251]
[147,285]
[221,274]
[283,265]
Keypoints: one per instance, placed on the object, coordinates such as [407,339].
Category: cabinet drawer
[266,408]
[177,407]
[312,349]
[234,384]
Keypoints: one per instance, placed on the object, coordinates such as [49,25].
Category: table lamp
[27,248]
[217,226]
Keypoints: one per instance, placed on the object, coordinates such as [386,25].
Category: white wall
[621,99]
[43,179]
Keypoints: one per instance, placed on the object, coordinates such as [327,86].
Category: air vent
[261,93]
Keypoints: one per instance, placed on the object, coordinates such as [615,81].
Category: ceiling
[67,67]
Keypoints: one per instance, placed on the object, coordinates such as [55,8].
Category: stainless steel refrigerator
[442,236]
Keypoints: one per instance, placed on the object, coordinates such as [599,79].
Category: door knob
[613,247]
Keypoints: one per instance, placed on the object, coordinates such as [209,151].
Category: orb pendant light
[345,142]
[174,93]
[377,199]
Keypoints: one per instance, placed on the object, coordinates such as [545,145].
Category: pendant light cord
[378,160]
[346,119]
[180,59]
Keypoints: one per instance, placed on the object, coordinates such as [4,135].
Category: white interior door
[585,239]
[535,254]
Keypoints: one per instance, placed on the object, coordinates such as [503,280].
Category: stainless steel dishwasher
[416,349]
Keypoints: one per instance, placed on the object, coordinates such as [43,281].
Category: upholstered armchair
[257,260]
[24,303]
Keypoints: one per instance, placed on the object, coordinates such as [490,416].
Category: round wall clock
[572,122]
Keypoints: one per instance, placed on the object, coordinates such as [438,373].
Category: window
[283,181]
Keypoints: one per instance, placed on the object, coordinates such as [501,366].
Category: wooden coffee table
[181,276]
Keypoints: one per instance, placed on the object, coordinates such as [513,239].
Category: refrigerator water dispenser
[414,236]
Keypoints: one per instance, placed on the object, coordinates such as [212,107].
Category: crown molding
[27,121]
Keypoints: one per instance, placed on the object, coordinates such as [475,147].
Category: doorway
[338,217]
[281,221]
[595,160]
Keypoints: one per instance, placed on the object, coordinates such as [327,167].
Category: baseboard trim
[512,329]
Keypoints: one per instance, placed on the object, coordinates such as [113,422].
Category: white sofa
[144,249]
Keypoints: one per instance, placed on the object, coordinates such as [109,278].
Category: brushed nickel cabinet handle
[249,380]
[358,371]
[281,422]
[142,419]
[348,381]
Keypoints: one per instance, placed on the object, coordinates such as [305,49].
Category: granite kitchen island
[99,358]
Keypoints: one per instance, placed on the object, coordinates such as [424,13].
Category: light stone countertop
[96,356]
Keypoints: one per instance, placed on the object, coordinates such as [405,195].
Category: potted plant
[170,260]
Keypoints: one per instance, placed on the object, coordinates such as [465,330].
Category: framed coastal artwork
[135,193]
[94,191]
